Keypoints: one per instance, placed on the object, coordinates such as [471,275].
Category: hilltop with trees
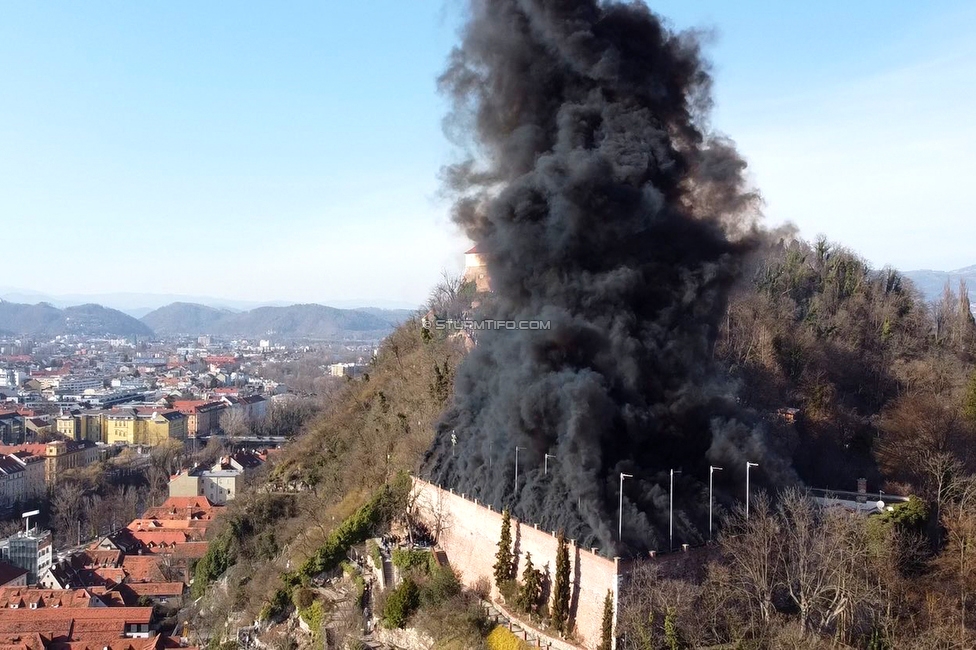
[884,389]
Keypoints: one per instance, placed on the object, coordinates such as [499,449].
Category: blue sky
[290,151]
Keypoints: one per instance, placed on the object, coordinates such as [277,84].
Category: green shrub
[442,585]
[358,527]
[374,552]
[358,581]
[314,616]
[212,565]
[402,602]
[302,598]
[509,590]
[276,605]
[407,559]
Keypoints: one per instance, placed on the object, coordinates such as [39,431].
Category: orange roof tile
[143,568]
[68,623]
[156,588]
[25,596]
[16,641]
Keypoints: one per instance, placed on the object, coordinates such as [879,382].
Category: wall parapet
[468,533]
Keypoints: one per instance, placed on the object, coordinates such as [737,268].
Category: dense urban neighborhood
[116,454]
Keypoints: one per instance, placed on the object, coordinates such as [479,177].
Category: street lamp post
[748,466]
[516,470]
[546,463]
[711,471]
[620,516]
[671,512]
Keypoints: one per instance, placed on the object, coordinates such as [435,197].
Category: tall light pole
[711,470]
[516,470]
[671,512]
[748,466]
[548,456]
[620,516]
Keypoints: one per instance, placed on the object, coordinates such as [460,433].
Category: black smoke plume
[604,209]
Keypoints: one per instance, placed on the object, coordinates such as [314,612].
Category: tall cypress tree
[559,614]
[531,588]
[503,558]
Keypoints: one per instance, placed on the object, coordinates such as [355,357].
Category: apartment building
[35,482]
[125,426]
[58,456]
[32,550]
[13,428]
[202,416]
[220,483]
[13,483]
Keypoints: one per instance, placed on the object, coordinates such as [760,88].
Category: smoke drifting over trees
[603,206]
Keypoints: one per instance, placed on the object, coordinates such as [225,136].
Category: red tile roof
[92,558]
[184,502]
[158,540]
[16,641]
[190,550]
[155,589]
[26,596]
[143,568]
[36,449]
[67,623]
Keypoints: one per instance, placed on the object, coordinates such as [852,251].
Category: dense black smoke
[604,209]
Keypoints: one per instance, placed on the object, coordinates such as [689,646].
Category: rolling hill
[44,319]
[294,322]
[932,283]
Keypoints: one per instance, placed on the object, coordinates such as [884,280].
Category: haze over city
[291,153]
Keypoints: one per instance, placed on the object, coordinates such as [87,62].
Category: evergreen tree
[531,588]
[503,558]
[559,614]
[606,634]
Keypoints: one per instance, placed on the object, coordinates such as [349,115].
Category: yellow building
[58,456]
[126,426]
[81,426]
[68,426]
[137,427]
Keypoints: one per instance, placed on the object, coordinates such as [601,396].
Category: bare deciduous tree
[234,423]
[753,548]
[67,506]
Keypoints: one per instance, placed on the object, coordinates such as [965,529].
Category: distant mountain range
[292,322]
[932,283]
[46,320]
[277,323]
[138,305]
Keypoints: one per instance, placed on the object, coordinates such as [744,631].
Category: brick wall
[468,533]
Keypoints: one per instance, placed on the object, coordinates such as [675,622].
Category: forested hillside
[294,321]
[879,376]
[375,426]
[881,383]
[45,320]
